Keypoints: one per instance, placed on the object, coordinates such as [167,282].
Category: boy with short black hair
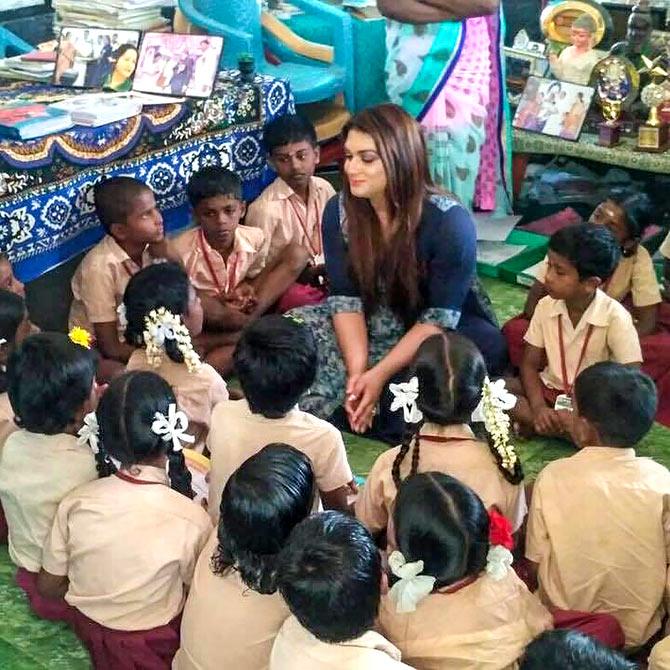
[227,263]
[573,327]
[275,361]
[571,650]
[599,521]
[289,210]
[330,575]
[133,224]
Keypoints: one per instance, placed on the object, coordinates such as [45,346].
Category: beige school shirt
[99,282]
[613,338]
[462,456]
[297,649]
[196,392]
[484,625]
[128,549]
[286,219]
[7,425]
[659,659]
[236,433]
[226,624]
[634,275]
[599,528]
[36,472]
[206,268]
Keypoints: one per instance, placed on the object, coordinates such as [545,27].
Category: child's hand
[243,298]
[548,422]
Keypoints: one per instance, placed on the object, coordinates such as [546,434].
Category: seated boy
[571,650]
[330,576]
[573,327]
[127,211]
[227,263]
[599,523]
[275,362]
[289,211]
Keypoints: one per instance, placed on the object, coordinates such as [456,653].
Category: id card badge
[563,402]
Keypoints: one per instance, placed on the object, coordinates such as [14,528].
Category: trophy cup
[653,135]
[609,132]
[613,87]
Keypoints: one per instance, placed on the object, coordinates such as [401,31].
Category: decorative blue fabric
[46,208]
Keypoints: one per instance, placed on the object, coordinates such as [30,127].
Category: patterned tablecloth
[623,155]
[46,209]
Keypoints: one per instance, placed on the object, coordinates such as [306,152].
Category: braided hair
[125,416]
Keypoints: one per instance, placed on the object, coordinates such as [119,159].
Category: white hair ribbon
[162,331]
[89,432]
[2,341]
[498,562]
[412,587]
[405,396]
[495,395]
[121,315]
[172,427]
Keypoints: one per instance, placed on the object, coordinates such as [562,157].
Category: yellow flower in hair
[81,336]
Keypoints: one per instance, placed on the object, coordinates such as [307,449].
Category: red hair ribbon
[500,530]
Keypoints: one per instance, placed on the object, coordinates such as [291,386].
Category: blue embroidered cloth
[46,207]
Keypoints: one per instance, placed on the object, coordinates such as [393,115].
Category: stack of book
[30,120]
[121,14]
[35,66]
[97,109]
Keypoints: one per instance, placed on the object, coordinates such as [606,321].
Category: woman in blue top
[401,260]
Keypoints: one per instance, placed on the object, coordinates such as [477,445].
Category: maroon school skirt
[128,650]
[45,608]
[4,530]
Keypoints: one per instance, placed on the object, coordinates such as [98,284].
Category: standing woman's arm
[434,11]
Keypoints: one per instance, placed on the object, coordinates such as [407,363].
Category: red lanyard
[231,267]
[438,438]
[315,249]
[567,388]
[134,480]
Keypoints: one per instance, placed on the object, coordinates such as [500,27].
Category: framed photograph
[521,64]
[554,108]
[178,65]
[96,58]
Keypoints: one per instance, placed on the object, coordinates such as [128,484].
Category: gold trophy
[609,133]
[653,135]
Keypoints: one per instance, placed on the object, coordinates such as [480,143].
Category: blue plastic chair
[239,23]
[11,45]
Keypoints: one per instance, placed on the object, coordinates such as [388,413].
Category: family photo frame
[554,108]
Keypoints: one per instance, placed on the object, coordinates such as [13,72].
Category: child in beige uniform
[455,601]
[134,226]
[123,548]
[163,313]
[571,650]
[450,374]
[233,612]
[290,210]
[573,327]
[51,387]
[275,362]
[330,576]
[659,659]
[227,263]
[589,511]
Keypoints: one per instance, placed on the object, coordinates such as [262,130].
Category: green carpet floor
[27,643]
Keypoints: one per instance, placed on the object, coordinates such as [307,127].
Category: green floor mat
[27,643]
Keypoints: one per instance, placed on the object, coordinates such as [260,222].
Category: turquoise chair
[11,45]
[315,72]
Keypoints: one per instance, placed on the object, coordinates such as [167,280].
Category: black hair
[620,402]
[212,181]
[49,378]
[159,285]
[329,574]
[125,416]
[12,314]
[114,199]
[442,522]
[592,250]
[262,502]
[288,129]
[275,360]
[571,650]
[450,370]
[637,209]
[120,50]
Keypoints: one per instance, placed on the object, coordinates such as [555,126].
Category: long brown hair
[402,150]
